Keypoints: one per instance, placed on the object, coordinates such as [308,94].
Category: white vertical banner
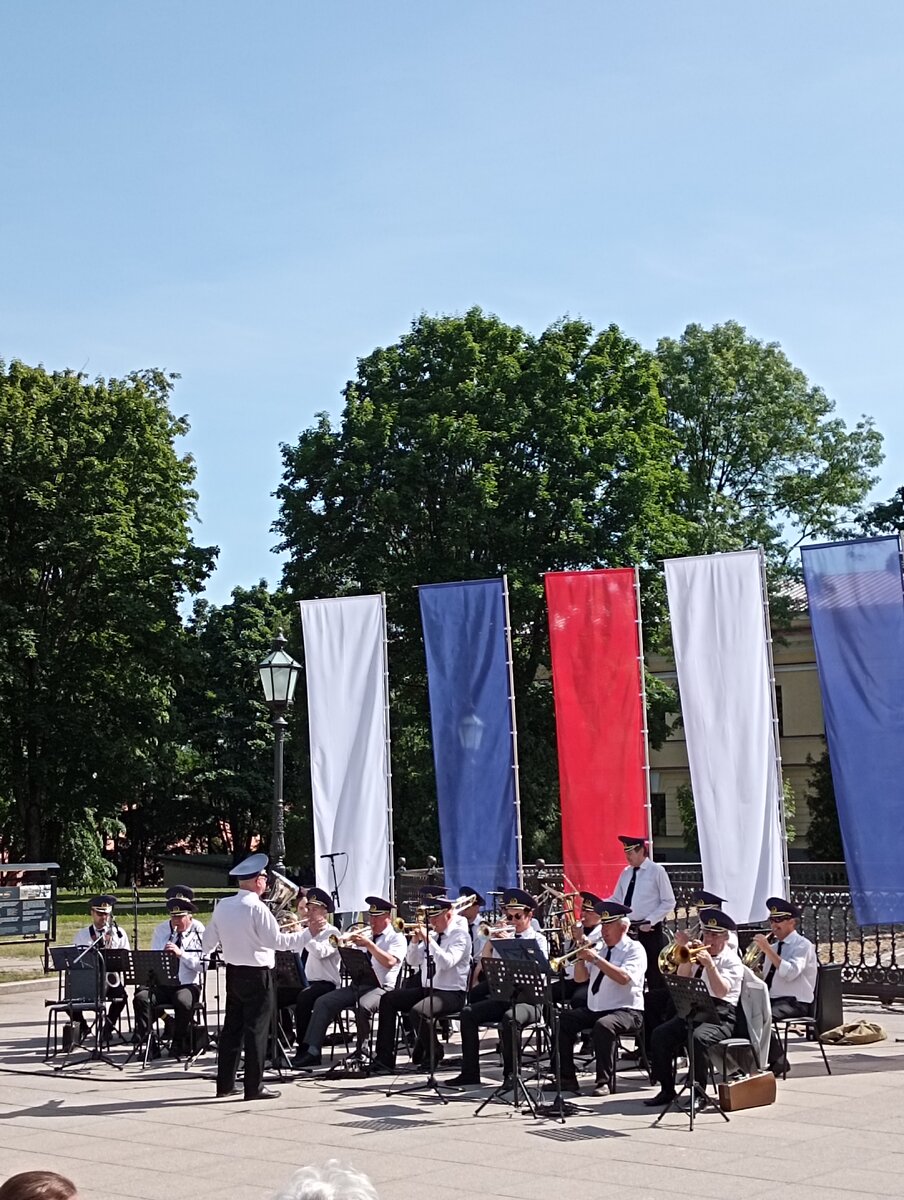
[722,659]
[345,667]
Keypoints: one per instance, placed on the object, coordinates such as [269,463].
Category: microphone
[338,854]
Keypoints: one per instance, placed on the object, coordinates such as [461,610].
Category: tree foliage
[764,460]
[824,833]
[467,450]
[95,555]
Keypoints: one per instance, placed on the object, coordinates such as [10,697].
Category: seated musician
[471,918]
[789,971]
[518,907]
[104,922]
[449,945]
[179,936]
[703,899]
[385,947]
[722,973]
[322,959]
[613,969]
[568,990]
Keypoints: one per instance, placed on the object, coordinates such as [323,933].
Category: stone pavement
[160,1134]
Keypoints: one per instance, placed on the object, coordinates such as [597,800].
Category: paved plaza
[160,1133]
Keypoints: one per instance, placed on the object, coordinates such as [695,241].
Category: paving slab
[138,1134]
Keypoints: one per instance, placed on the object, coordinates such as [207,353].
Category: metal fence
[871,957]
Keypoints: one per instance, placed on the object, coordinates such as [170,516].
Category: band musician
[789,971]
[723,974]
[568,990]
[449,944]
[180,936]
[613,969]
[518,908]
[321,959]
[386,948]
[645,888]
[103,925]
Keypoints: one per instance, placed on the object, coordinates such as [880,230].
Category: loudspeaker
[829,1006]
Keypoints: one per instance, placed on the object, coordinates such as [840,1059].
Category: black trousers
[183,997]
[416,1001]
[492,1012]
[606,1027]
[782,1008]
[653,942]
[304,1006]
[566,991]
[249,1008]
[671,1037]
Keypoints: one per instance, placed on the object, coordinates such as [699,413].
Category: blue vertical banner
[471,721]
[856,598]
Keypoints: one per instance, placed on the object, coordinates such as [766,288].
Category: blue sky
[255,195]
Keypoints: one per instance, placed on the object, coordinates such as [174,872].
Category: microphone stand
[134,916]
[334,893]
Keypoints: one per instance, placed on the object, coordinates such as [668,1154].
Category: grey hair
[625,922]
[332,1181]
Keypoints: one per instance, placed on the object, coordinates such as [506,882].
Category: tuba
[280,897]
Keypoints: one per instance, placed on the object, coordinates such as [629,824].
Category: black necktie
[177,940]
[599,976]
[629,894]
[439,938]
[773,967]
[517,935]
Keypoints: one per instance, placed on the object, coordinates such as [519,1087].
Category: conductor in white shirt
[645,888]
[249,936]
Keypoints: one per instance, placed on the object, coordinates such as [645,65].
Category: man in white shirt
[443,947]
[645,887]
[179,936]
[385,947]
[518,907]
[789,971]
[703,899]
[105,934]
[567,990]
[723,974]
[613,969]
[322,961]
[250,936]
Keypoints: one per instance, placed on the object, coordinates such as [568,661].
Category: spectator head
[38,1185]
[332,1181]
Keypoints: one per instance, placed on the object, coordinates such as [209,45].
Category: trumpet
[570,956]
[501,930]
[676,954]
[346,938]
[754,958]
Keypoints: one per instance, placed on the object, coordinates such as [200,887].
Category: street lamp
[279,674]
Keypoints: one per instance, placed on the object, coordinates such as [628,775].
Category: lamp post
[279,674]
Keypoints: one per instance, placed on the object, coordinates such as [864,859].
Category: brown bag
[755,1091]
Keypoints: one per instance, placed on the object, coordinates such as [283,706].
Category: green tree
[96,554]
[764,460]
[886,517]
[466,450]
[684,797]
[227,770]
[824,833]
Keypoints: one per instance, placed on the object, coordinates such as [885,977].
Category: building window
[780,711]
[657,813]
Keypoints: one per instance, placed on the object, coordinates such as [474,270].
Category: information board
[26,910]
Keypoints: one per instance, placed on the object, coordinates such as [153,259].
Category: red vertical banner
[594,637]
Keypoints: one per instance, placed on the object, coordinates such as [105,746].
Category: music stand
[691,1000]
[519,975]
[92,953]
[286,974]
[150,969]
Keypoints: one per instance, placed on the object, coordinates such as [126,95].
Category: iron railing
[871,957]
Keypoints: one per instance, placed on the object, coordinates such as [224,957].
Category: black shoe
[304,1062]
[660,1099]
[698,1101]
[507,1085]
[780,1068]
[233,1091]
[461,1081]
[602,1087]
[568,1085]
[264,1094]
[381,1068]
